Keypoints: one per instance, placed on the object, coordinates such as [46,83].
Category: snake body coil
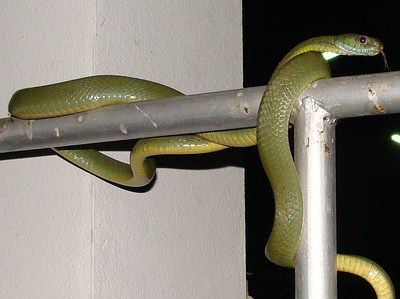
[92,92]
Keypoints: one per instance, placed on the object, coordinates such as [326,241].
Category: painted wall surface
[66,234]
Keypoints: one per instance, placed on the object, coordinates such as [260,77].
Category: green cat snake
[299,68]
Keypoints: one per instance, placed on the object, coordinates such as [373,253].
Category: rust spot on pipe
[327,149]
[242,108]
[379,108]
[372,95]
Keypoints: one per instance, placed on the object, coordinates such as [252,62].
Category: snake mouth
[358,45]
[347,50]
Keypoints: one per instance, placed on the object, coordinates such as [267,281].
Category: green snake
[298,69]
[97,91]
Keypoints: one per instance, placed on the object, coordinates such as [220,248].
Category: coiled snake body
[299,68]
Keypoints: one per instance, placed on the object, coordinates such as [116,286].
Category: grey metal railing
[315,115]
[318,108]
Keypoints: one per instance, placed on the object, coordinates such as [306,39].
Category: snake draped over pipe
[299,68]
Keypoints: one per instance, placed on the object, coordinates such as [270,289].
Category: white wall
[66,234]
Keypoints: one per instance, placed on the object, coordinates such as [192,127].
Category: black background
[368,162]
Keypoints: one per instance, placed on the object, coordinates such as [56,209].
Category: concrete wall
[66,234]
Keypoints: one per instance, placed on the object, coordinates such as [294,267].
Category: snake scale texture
[299,68]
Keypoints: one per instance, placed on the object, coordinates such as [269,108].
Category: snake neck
[317,44]
[343,44]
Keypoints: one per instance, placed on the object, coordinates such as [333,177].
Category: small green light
[329,55]
[395,138]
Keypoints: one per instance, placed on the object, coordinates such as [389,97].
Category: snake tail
[370,271]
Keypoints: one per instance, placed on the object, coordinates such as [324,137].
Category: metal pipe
[314,139]
[369,94]
[343,97]
[315,115]
[170,116]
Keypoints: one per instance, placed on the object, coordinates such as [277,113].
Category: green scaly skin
[299,68]
[92,92]
[274,149]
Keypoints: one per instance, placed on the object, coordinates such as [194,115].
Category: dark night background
[368,162]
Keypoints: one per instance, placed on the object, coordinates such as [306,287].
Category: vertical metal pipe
[315,159]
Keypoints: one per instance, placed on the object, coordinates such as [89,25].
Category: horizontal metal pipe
[170,116]
[342,97]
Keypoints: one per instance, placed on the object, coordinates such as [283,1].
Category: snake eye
[362,39]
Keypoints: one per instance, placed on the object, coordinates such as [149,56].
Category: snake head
[356,44]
